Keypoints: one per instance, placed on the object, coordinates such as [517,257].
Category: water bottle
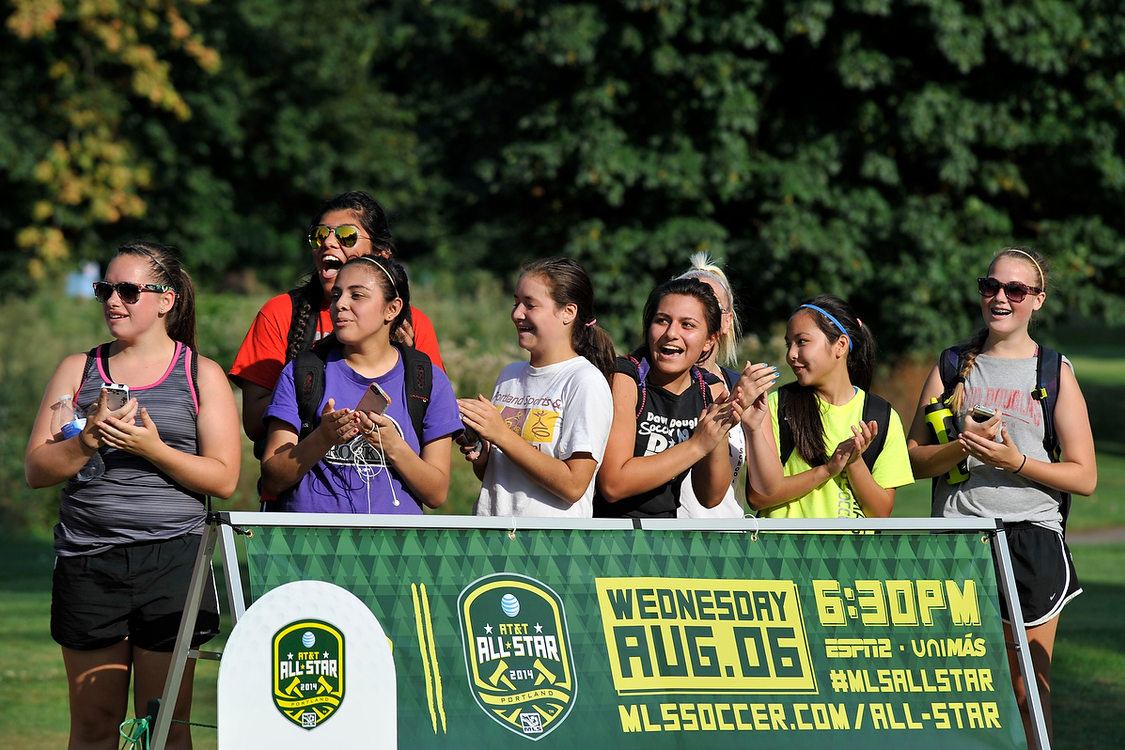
[940,419]
[95,467]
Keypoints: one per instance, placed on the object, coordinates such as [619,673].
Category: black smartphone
[468,436]
[982,413]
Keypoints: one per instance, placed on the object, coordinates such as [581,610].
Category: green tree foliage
[882,150]
[216,127]
[879,150]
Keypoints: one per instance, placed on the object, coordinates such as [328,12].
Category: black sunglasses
[1013,290]
[126,290]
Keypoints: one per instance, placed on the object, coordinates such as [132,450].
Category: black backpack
[875,408]
[308,382]
[1048,370]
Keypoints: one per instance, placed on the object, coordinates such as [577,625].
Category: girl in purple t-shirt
[361,461]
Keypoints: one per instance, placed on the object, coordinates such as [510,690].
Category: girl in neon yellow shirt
[826,471]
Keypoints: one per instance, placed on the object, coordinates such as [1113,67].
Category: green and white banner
[638,638]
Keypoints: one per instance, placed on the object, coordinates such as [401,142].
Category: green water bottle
[940,419]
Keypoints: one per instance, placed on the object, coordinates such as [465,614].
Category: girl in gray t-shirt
[1010,473]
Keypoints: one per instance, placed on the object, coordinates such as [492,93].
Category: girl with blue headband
[842,450]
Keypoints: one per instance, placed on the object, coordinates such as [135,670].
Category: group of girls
[572,431]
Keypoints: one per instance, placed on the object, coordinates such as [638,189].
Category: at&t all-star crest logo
[517,651]
[308,672]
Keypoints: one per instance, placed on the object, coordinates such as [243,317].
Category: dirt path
[1114,535]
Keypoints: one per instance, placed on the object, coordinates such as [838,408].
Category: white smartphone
[116,395]
[374,399]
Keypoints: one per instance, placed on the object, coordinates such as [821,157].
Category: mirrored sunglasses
[346,234]
[1013,290]
[126,290]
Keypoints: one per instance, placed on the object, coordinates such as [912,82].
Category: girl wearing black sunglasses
[127,539]
[1011,473]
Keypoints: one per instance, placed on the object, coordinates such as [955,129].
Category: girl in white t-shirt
[543,434]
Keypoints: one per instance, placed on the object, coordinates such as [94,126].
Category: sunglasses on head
[1013,290]
[126,290]
[346,234]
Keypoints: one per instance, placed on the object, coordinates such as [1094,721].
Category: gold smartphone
[374,399]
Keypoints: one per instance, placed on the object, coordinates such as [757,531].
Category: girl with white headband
[1017,468]
[361,451]
[832,461]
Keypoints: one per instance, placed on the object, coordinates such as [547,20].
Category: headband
[829,315]
[381,267]
[141,249]
[1042,277]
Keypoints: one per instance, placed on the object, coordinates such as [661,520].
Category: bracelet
[1017,471]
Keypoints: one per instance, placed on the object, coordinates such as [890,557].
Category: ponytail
[594,343]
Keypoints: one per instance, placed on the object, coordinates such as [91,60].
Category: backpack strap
[642,387]
[1048,372]
[878,410]
[303,335]
[875,408]
[308,383]
[88,369]
[949,368]
[418,376]
[192,374]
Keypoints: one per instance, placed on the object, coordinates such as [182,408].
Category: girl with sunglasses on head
[347,226]
[833,463]
[669,416]
[1011,473]
[128,536]
[543,433]
[355,459]
[759,378]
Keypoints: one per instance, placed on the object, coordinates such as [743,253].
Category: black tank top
[665,419]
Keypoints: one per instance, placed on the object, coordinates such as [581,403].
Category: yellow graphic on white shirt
[533,425]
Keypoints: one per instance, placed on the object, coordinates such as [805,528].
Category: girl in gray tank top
[127,533]
[1011,475]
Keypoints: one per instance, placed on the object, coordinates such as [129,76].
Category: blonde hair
[703,266]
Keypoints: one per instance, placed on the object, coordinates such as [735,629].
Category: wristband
[1024,461]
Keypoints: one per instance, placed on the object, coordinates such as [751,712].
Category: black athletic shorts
[136,592]
[1044,572]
